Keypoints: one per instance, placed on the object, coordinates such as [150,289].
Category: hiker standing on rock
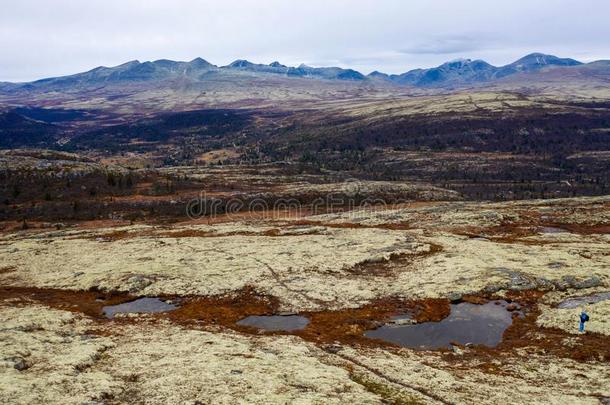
[583,318]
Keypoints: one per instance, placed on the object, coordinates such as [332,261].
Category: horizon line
[294,67]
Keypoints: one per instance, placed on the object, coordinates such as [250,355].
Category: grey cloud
[42,38]
[449,45]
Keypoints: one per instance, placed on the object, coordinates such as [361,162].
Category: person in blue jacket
[583,318]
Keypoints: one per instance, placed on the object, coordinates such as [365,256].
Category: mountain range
[472,71]
[450,74]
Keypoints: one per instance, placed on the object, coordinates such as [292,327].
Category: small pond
[553,229]
[467,323]
[139,306]
[276,323]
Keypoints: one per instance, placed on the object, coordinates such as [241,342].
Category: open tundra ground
[495,192]
[346,271]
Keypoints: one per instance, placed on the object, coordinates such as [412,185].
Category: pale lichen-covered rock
[524,379]
[51,356]
[290,266]
[159,364]
[46,356]
[309,266]
[169,364]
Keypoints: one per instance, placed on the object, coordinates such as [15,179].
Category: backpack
[584,317]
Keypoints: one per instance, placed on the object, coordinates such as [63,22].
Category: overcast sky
[42,38]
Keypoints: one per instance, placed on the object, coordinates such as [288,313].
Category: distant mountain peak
[379,75]
[543,59]
[166,63]
[241,63]
[537,55]
[461,62]
[200,63]
[458,61]
[533,62]
[131,63]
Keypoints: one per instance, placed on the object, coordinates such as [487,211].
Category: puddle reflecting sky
[467,323]
[141,305]
[552,229]
[275,323]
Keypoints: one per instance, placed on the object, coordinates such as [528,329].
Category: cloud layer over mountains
[44,39]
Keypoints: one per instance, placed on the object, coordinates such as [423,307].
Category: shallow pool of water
[580,301]
[140,306]
[276,323]
[467,323]
[553,229]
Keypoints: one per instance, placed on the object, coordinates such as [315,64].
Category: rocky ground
[347,272]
